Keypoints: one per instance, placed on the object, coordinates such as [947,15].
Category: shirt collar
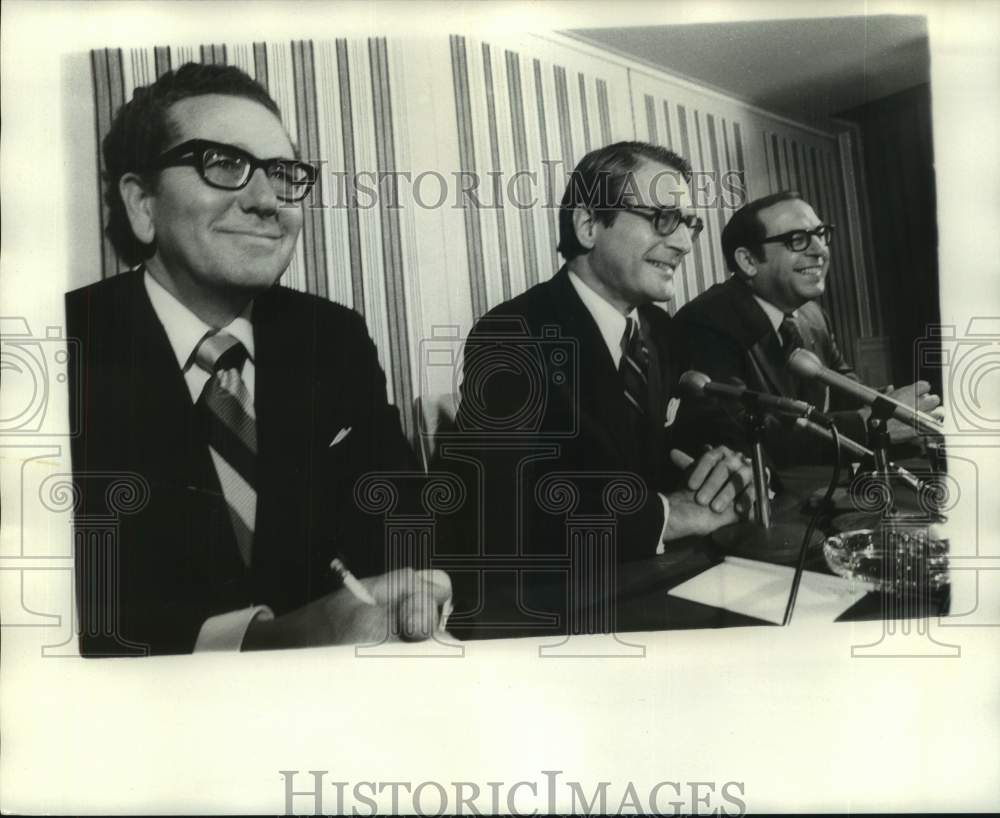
[609,321]
[185,329]
[774,315]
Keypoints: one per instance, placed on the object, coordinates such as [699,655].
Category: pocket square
[339,437]
[672,406]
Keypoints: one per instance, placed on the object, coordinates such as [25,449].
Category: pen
[351,582]
[446,610]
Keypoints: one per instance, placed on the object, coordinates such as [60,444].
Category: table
[518,602]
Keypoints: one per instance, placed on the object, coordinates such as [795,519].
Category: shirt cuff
[226,631]
[661,547]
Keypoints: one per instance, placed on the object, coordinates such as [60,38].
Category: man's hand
[719,491]
[917,395]
[408,608]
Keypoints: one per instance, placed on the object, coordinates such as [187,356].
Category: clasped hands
[409,607]
[719,490]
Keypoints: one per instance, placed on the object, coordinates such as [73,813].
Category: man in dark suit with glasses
[778,251]
[240,412]
[570,389]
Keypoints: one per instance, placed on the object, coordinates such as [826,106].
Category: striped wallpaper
[525,120]
[499,123]
[714,146]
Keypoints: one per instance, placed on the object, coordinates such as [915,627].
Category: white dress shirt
[185,330]
[611,324]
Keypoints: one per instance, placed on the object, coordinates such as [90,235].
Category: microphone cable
[813,522]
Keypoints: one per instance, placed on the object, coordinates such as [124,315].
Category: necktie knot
[632,343]
[627,335]
[791,338]
[219,352]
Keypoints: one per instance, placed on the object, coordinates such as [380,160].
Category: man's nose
[259,195]
[680,239]
[818,247]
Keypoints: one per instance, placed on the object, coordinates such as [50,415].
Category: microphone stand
[761,538]
[878,441]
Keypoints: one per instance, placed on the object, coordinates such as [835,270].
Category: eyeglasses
[230,168]
[666,220]
[799,240]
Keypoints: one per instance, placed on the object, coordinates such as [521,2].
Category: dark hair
[745,229]
[598,183]
[141,130]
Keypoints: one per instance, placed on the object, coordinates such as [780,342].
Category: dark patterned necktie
[633,367]
[791,338]
[225,410]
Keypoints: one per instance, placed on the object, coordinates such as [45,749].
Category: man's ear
[585,227]
[746,261]
[138,206]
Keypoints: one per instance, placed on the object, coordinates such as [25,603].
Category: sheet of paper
[761,589]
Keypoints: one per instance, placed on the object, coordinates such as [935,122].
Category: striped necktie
[633,367]
[791,338]
[225,410]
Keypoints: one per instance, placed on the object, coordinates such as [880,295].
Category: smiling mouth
[254,234]
[810,272]
[664,266]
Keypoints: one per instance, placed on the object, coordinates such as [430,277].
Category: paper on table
[760,589]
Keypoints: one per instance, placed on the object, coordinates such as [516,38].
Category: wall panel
[528,110]
[444,158]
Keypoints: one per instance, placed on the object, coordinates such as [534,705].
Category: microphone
[855,449]
[847,444]
[698,384]
[806,365]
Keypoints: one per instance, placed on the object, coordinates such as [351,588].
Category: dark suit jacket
[541,394]
[174,561]
[730,336]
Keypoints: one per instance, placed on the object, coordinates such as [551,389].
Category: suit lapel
[172,452]
[601,399]
[276,384]
[165,417]
[661,376]
[768,360]
[766,357]
[285,407]
[812,327]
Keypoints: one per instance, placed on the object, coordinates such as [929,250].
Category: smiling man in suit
[577,377]
[242,410]
[743,329]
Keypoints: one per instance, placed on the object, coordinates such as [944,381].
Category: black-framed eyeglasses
[666,220]
[799,240]
[230,168]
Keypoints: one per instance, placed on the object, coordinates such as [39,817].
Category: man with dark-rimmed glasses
[242,413]
[778,250]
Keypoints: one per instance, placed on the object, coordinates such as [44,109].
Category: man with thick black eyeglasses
[576,378]
[778,251]
[228,167]
[240,413]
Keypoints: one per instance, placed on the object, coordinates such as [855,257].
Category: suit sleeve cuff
[226,631]
[661,548]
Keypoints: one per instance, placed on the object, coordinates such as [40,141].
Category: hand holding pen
[416,596]
[400,605]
